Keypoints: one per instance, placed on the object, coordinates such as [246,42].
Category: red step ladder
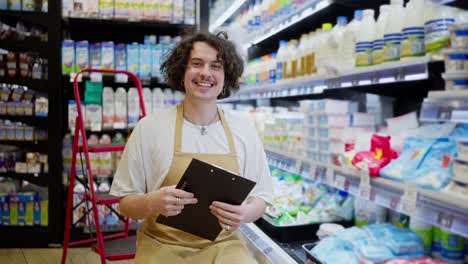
[118,246]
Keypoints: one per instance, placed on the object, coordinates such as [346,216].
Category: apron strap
[178,130]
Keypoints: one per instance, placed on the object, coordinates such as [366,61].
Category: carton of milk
[133,58]
[81,55]
[68,56]
[107,55]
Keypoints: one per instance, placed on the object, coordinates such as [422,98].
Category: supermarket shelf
[31,45]
[285,22]
[116,79]
[106,23]
[257,239]
[39,18]
[39,179]
[37,146]
[37,121]
[391,72]
[445,106]
[227,14]
[35,84]
[446,210]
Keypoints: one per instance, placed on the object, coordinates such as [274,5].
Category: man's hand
[169,201]
[230,217]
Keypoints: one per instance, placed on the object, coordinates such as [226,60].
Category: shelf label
[313,173]
[445,220]
[298,166]
[72,77]
[121,78]
[95,77]
[394,200]
[342,183]
[409,199]
[364,185]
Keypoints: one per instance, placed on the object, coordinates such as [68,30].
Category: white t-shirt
[149,152]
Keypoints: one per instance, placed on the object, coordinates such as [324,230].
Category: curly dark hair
[173,69]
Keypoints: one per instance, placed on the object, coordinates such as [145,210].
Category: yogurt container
[455,81]
[456,60]
[458,35]
[462,148]
[328,229]
[460,169]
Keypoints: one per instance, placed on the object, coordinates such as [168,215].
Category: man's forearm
[256,208]
[135,206]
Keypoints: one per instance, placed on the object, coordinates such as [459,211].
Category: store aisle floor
[51,256]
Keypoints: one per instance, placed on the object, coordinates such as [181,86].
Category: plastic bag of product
[351,234]
[461,131]
[379,156]
[436,167]
[414,151]
[374,253]
[330,246]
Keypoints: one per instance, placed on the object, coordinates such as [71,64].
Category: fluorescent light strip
[227,14]
[306,13]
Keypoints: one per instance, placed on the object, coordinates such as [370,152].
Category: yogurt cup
[456,60]
[328,229]
[455,81]
[459,35]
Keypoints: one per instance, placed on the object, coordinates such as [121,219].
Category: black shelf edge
[106,79]
[31,45]
[38,179]
[34,84]
[79,21]
[40,18]
[37,121]
[37,146]
[25,236]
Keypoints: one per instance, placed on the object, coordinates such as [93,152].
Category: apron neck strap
[178,130]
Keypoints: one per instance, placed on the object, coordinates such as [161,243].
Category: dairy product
[323,50]
[107,55]
[120,97]
[334,40]
[108,107]
[81,55]
[436,236]
[436,28]
[168,97]
[424,230]
[378,44]
[364,38]
[392,36]
[133,104]
[452,247]
[189,12]
[280,59]
[150,9]
[121,8]
[456,60]
[347,47]
[310,54]
[68,56]
[459,35]
[412,44]
[147,99]
[158,99]
[291,63]
[455,81]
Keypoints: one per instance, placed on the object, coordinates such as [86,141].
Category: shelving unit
[445,106]
[445,210]
[38,236]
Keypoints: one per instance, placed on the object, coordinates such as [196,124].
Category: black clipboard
[208,183]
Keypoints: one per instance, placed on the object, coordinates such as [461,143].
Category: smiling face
[204,74]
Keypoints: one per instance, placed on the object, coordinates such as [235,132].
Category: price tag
[364,185]
[341,183]
[409,199]
[394,200]
[445,220]
[121,78]
[330,175]
[298,166]
[72,77]
[313,172]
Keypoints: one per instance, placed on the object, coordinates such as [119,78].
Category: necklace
[202,128]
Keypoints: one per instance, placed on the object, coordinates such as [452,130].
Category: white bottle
[272,68]
[178,97]
[378,43]
[168,98]
[437,28]
[280,58]
[178,11]
[347,46]
[291,61]
[120,97]
[158,99]
[133,104]
[105,158]
[334,40]
[412,44]
[392,35]
[147,98]
[108,107]
[364,39]
[323,50]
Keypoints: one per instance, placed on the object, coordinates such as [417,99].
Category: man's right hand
[169,201]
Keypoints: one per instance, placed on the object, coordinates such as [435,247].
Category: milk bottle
[147,98]
[392,36]
[412,44]
[158,99]
[364,39]
[347,47]
[437,35]
[378,44]
[334,40]
[322,53]
[133,103]
[280,58]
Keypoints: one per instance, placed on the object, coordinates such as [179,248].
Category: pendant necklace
[202,128]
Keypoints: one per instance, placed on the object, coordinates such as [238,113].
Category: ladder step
[105,198]
[99,148]
[119,249]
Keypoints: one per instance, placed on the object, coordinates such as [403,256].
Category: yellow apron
[158,243]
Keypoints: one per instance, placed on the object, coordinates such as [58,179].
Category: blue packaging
[156,60]
[25,208]
[95,55]
[68,56]
[4,209]
[81,55]
[37,213]
[13,201]
[120,57]
[133,58]
[107,55]
[374,253]
[145,60]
